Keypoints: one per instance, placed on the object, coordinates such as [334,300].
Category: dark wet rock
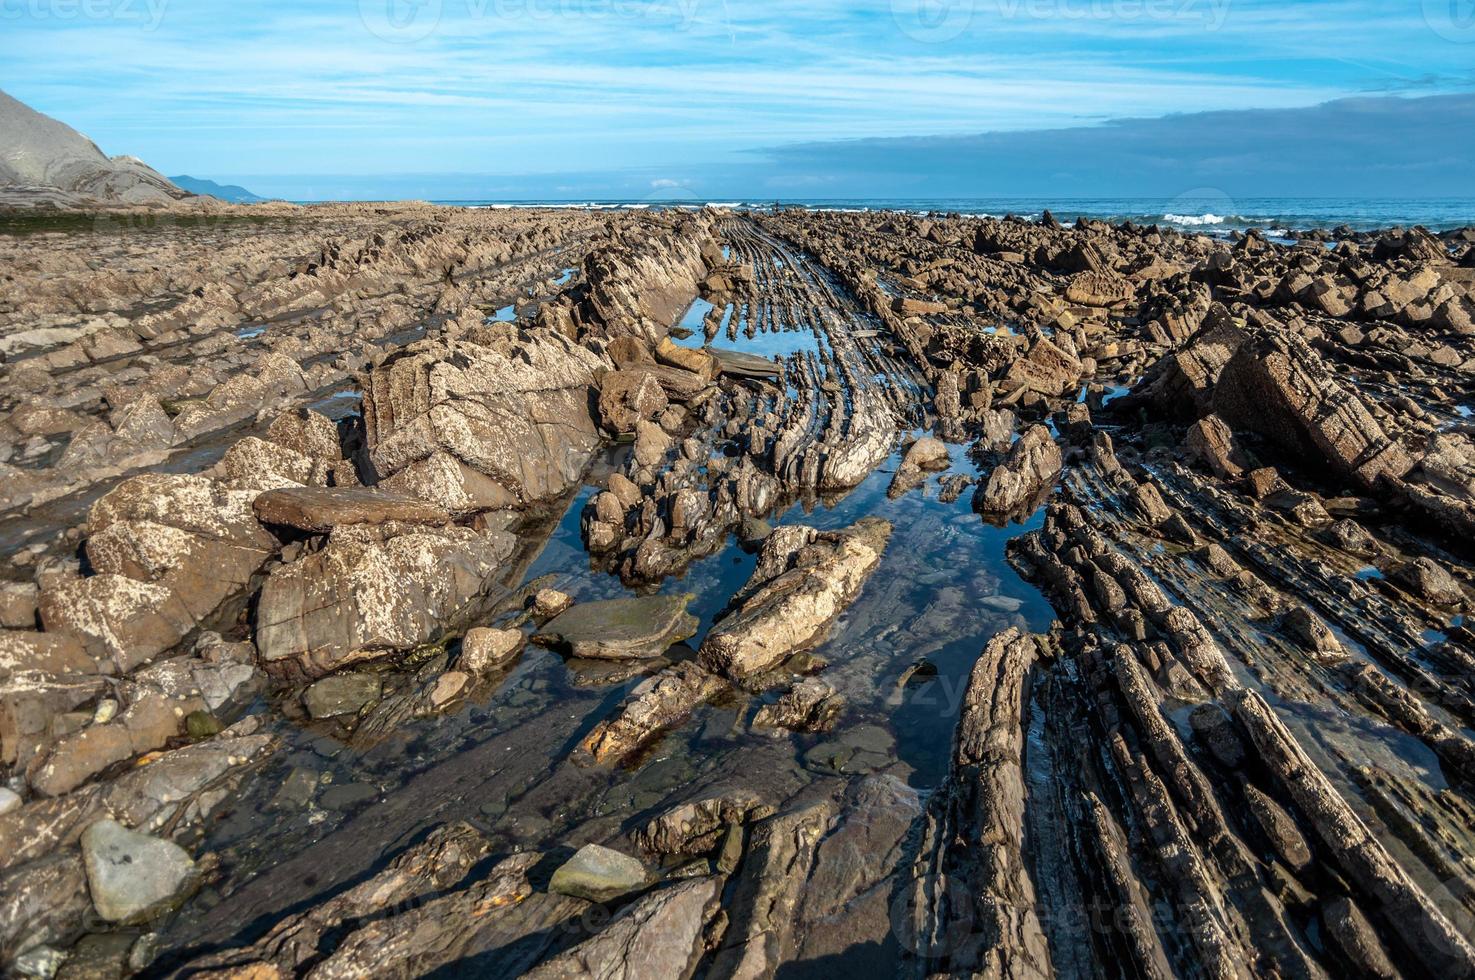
[655,705]
[621,629]
[321,509]
[974,829]
[663,935]
[1429,580]
[1356,940]
[1307,629]
[1428,936]
[1280,829]
[699,827]
[811,705]
[341,694]
[804,579]
[133,877]
[599,874]
[436,864]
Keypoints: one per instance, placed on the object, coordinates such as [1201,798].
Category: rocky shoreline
[406,590]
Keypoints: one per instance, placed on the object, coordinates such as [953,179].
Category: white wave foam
[1195,219]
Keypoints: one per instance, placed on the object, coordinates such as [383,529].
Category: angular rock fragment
[804,579]
[809,706]
[1278,387]
[657,704]
[661,936]
[1017,482]
[599,874]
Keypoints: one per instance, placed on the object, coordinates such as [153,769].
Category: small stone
[448,687]
[341,694]
[41,962]
[485,650]
[550,602]
[9,801]
[201,724]
[107,709]
[133,877]
[599,874]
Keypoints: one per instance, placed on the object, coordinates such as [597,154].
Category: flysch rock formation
[403,590]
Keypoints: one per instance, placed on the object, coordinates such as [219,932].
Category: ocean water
[1213,215]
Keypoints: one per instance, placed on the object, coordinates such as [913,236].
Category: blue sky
[552,98]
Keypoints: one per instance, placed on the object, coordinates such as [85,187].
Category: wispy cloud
[542,86]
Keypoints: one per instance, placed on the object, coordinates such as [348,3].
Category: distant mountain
[233,193]
[48,163]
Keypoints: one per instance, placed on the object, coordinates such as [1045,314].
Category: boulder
[1278,387]
[515,412]
[1020,480]
[169,551]
[134,877]
[1429,580]
[484,650]
[341,694]
[660,937]
[373,591]
[628,397]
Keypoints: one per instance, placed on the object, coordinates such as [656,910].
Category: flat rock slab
[320,509]
[740,365]
[621,629]
[599,874]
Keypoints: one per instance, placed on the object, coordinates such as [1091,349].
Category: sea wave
[1195,220]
